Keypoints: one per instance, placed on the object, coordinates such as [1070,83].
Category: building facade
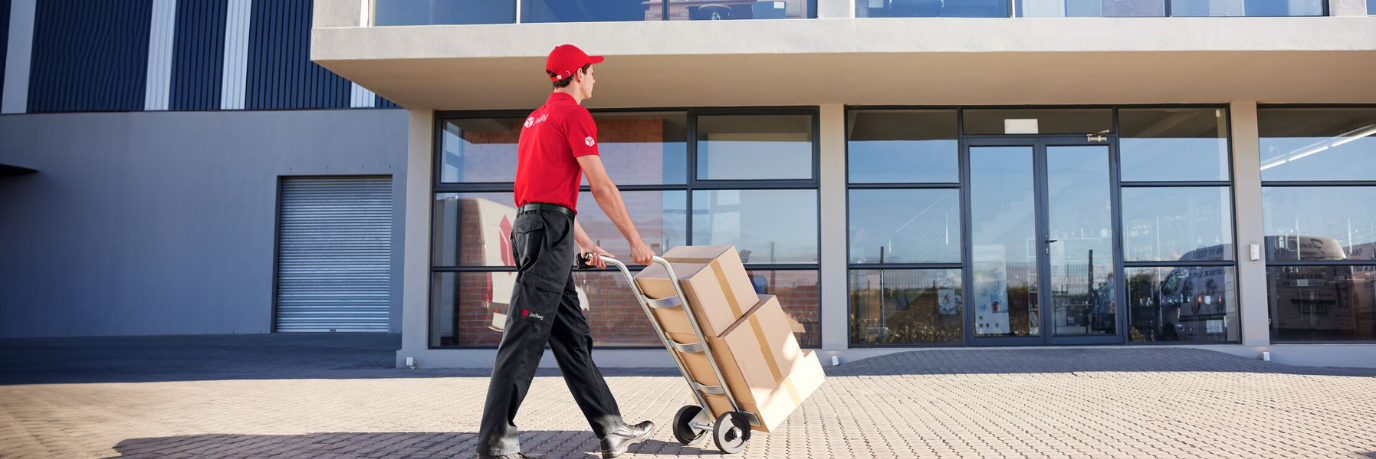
[902,174]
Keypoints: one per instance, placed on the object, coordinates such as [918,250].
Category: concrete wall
[163,223]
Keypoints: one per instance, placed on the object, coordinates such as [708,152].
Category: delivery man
[558,145]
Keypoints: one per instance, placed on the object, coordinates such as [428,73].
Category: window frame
[689,184]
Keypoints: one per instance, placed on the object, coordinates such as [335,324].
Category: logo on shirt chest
[589,141]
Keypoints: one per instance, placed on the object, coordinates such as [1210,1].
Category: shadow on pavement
[548,444]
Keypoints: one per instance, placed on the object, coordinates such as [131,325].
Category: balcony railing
[427,12]
[1087,8]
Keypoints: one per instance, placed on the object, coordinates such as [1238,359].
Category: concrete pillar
[829,9]
[835,307]
[415,296]
[1251,274]
[1347,8]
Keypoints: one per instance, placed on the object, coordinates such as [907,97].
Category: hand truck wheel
[685,433]
[732,432]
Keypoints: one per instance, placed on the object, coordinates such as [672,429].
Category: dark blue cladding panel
[198,54]
[4,39]
[280,72]
[89,55]
[384,103]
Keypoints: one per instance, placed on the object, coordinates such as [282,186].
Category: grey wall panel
[89,55]
[164,222]
[198,54]
[280,72]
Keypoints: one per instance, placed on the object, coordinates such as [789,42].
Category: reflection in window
[588,11]
[906,306]
[1246,7]
[1174,144]
[711,11]
[659,216]
[1319,223]
[798,293]
[1089,8]
[767,226]
[932,8]
[903,146]
[1179,223]
[426,12]
[479,150]
[1038,121]
[643,148]
[1317,144]
[1003,239]
[1197,303]
[1322,303]
[472,229]
[905,226]
[755,147]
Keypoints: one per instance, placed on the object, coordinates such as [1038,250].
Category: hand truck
[731,430]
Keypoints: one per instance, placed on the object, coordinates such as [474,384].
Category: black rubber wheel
[684,433]
[732,432]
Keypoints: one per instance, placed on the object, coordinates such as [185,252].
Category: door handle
[1048,241]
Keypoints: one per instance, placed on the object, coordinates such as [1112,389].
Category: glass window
[711,11]
[799,295]
[466,306]
[906,306]
[589,11]
[767,226]
[1177,223]
[1038,121]
[1319,223]
[426,12]
[1317,144]
[905,226]
[754,147]
[903,146]
[472,229]
[479,150]
[1174,144]
[1004,242]
[1197,303]
[1247,7]
[1090,8]
[659,216]
[613,313]
[643,148]
[931,8]
[1322,303]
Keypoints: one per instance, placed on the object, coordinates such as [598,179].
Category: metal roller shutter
[334,248]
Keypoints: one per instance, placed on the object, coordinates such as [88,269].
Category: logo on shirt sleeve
[589,141]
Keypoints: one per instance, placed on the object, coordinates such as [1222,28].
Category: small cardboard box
[762,364]
[715,282]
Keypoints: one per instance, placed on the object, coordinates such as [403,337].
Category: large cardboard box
[764,367]
[715,282]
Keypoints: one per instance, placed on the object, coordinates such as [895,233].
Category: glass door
[1043,241]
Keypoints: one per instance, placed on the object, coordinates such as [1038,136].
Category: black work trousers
[544,310]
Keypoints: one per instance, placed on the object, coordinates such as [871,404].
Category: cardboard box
[762,364]
[715,282]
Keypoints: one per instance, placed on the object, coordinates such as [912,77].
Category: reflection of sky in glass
[1350,157]
[1319,223]
[906,226]
[1181,223]
[584,10]
[754,160]
[425,12]
[775,226]
[903,161]
[1247,8]
[1174,159]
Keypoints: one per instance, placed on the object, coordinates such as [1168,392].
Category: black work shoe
[508,456]
[616,442]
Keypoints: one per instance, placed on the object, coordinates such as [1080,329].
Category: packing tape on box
[721,279]
[773,364]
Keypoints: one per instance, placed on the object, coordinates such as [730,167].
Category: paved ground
[334,396]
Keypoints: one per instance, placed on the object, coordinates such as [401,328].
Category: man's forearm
[581,238]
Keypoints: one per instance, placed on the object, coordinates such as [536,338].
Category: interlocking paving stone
[336,396]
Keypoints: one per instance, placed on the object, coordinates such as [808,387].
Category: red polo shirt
[553,137]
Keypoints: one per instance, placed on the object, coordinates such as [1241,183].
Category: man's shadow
[544,443]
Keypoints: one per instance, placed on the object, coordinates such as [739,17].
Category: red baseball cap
[567,59]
